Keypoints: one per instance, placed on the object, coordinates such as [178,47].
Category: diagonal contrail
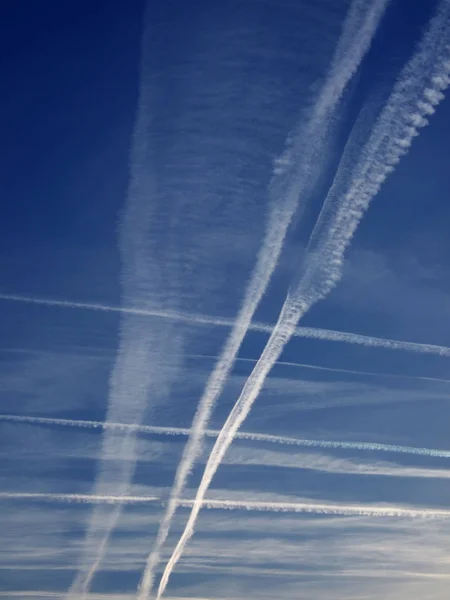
[417,91]
[357,33]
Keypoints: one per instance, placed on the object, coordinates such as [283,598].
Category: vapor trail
[243,359]
[416,92]
[140,371]
[284,363]
[357,33]
[325,508]
[213,433]
[139,312]
[78,498]
[315,333]
[294,507]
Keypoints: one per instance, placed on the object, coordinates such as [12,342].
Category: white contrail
[358,30]
[423,78]
[139,312]
[315,333]
[365,340]
[298,365]
[78,498]
[366,510]
[241,435]
[415,95]
[140,371]
[243,359]
[325,508]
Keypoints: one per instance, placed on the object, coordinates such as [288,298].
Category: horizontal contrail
[293,507]
[316,333]
[243,359]
[78,498]
[213,433]
[284,363]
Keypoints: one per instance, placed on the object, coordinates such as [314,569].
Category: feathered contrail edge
[366,510]
[213,433]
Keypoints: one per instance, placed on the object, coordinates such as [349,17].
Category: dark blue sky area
[72,72]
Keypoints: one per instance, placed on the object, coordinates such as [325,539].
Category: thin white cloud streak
[361,510]
[366,340]
[390,139]
[357,33]
[326,463]
[325,508]
[316,333]
[242,359]
[213,433]
[78,498]
[283,363]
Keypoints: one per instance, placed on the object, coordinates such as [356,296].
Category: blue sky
[224,362]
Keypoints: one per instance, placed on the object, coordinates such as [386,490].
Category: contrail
[213,433]
[325,509]
[139,312]
[423,78]
[308,332]
[284,363]
[415,95]
[365,340]
[358,30]
[315,333]
[243,359]
[140,371]
[294,507]
[78,498]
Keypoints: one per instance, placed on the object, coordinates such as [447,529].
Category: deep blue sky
[72,72]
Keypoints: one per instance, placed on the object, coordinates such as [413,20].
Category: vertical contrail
[357,33]
[141,367]
[417,91]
